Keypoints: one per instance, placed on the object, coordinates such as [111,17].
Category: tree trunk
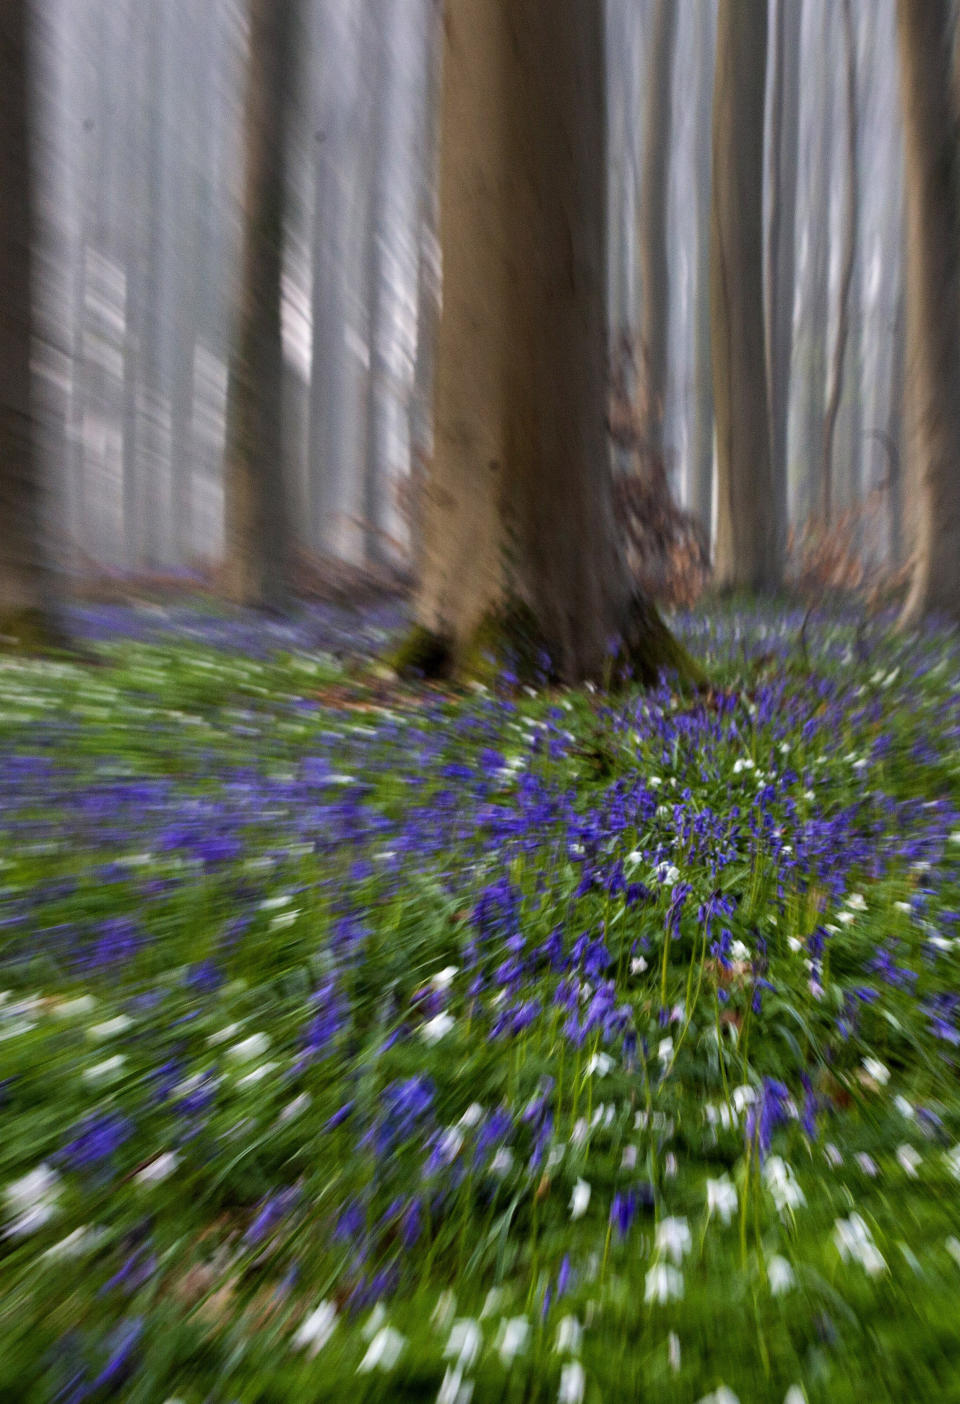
[932,390]
[27,598]
[817,299]
[894,434]
[654,265]
[257,539]
[780,248]
[849,263]
[701,496]
[520,542]
[746,557]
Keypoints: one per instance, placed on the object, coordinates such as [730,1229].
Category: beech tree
[925,36]
[257,537]
[701,493]
[520,546]
[850,224]
[655,267]
[746,556]
[781,270]
[28,613]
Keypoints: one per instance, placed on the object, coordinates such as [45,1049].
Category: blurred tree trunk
[521,549]
[654,265]
[28,604]
[781,269]
[257,533]
[925,34]
[702,452]
[894,443]
[849,263]
[817,300]
[746,557]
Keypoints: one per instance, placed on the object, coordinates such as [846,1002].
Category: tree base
[508,645]
[33,631]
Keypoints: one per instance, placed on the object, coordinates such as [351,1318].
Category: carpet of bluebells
[361,1042]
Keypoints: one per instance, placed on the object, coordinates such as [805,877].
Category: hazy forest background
[479,701]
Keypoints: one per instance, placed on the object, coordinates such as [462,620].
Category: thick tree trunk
[849,262]
[932,390]
[256,519]
[746,556]
[27,612]
[780,248]
[654,265]
[701,494]
[519,532]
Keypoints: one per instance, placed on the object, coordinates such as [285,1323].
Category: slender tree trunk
[894,444]
[849,263]
[27,595]
[932,390]
[702,450]
[519,530]
[257,539]
[655,268]
[781,269]
[746,555]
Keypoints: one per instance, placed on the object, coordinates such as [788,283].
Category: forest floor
[368,1042]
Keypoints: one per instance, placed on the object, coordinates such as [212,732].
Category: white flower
[794,1395]
[445,1310]
[739,951]
[903,1107]
[670,1165]
[663,1284]
[846,917]
[722,1198]
[99,1072]
[110,1027]
[628,1161]
[453,1389]
[32,1200]
[856,902]
[314,1332]
[383,1352]
[867,1164]
[249,1048]
[573,1382]
[665,1050]
[569,1336]
[668,874]
[721,1395]
[435,1028]
[783,1188]
[832,1155]
[876,1070]
[634,858]
[502,1162]
[160,1168]
[579,1199]
[855,1243]
[673,1238]
[953,1161]
[743,1096]
[779,1275]
[443,978]
[673,1351]
[472,1116]
[601,1063]
[512,1340]
[75,1245]
[299,1104]
[464,1342]
[637,965]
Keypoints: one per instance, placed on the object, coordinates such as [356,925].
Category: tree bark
[894,434]
[701,497]
[654,265]
[780,248]
[849,262]
[816,301]
[932,390]
[28,612]
[257,539]
[746,557]
[519,530]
